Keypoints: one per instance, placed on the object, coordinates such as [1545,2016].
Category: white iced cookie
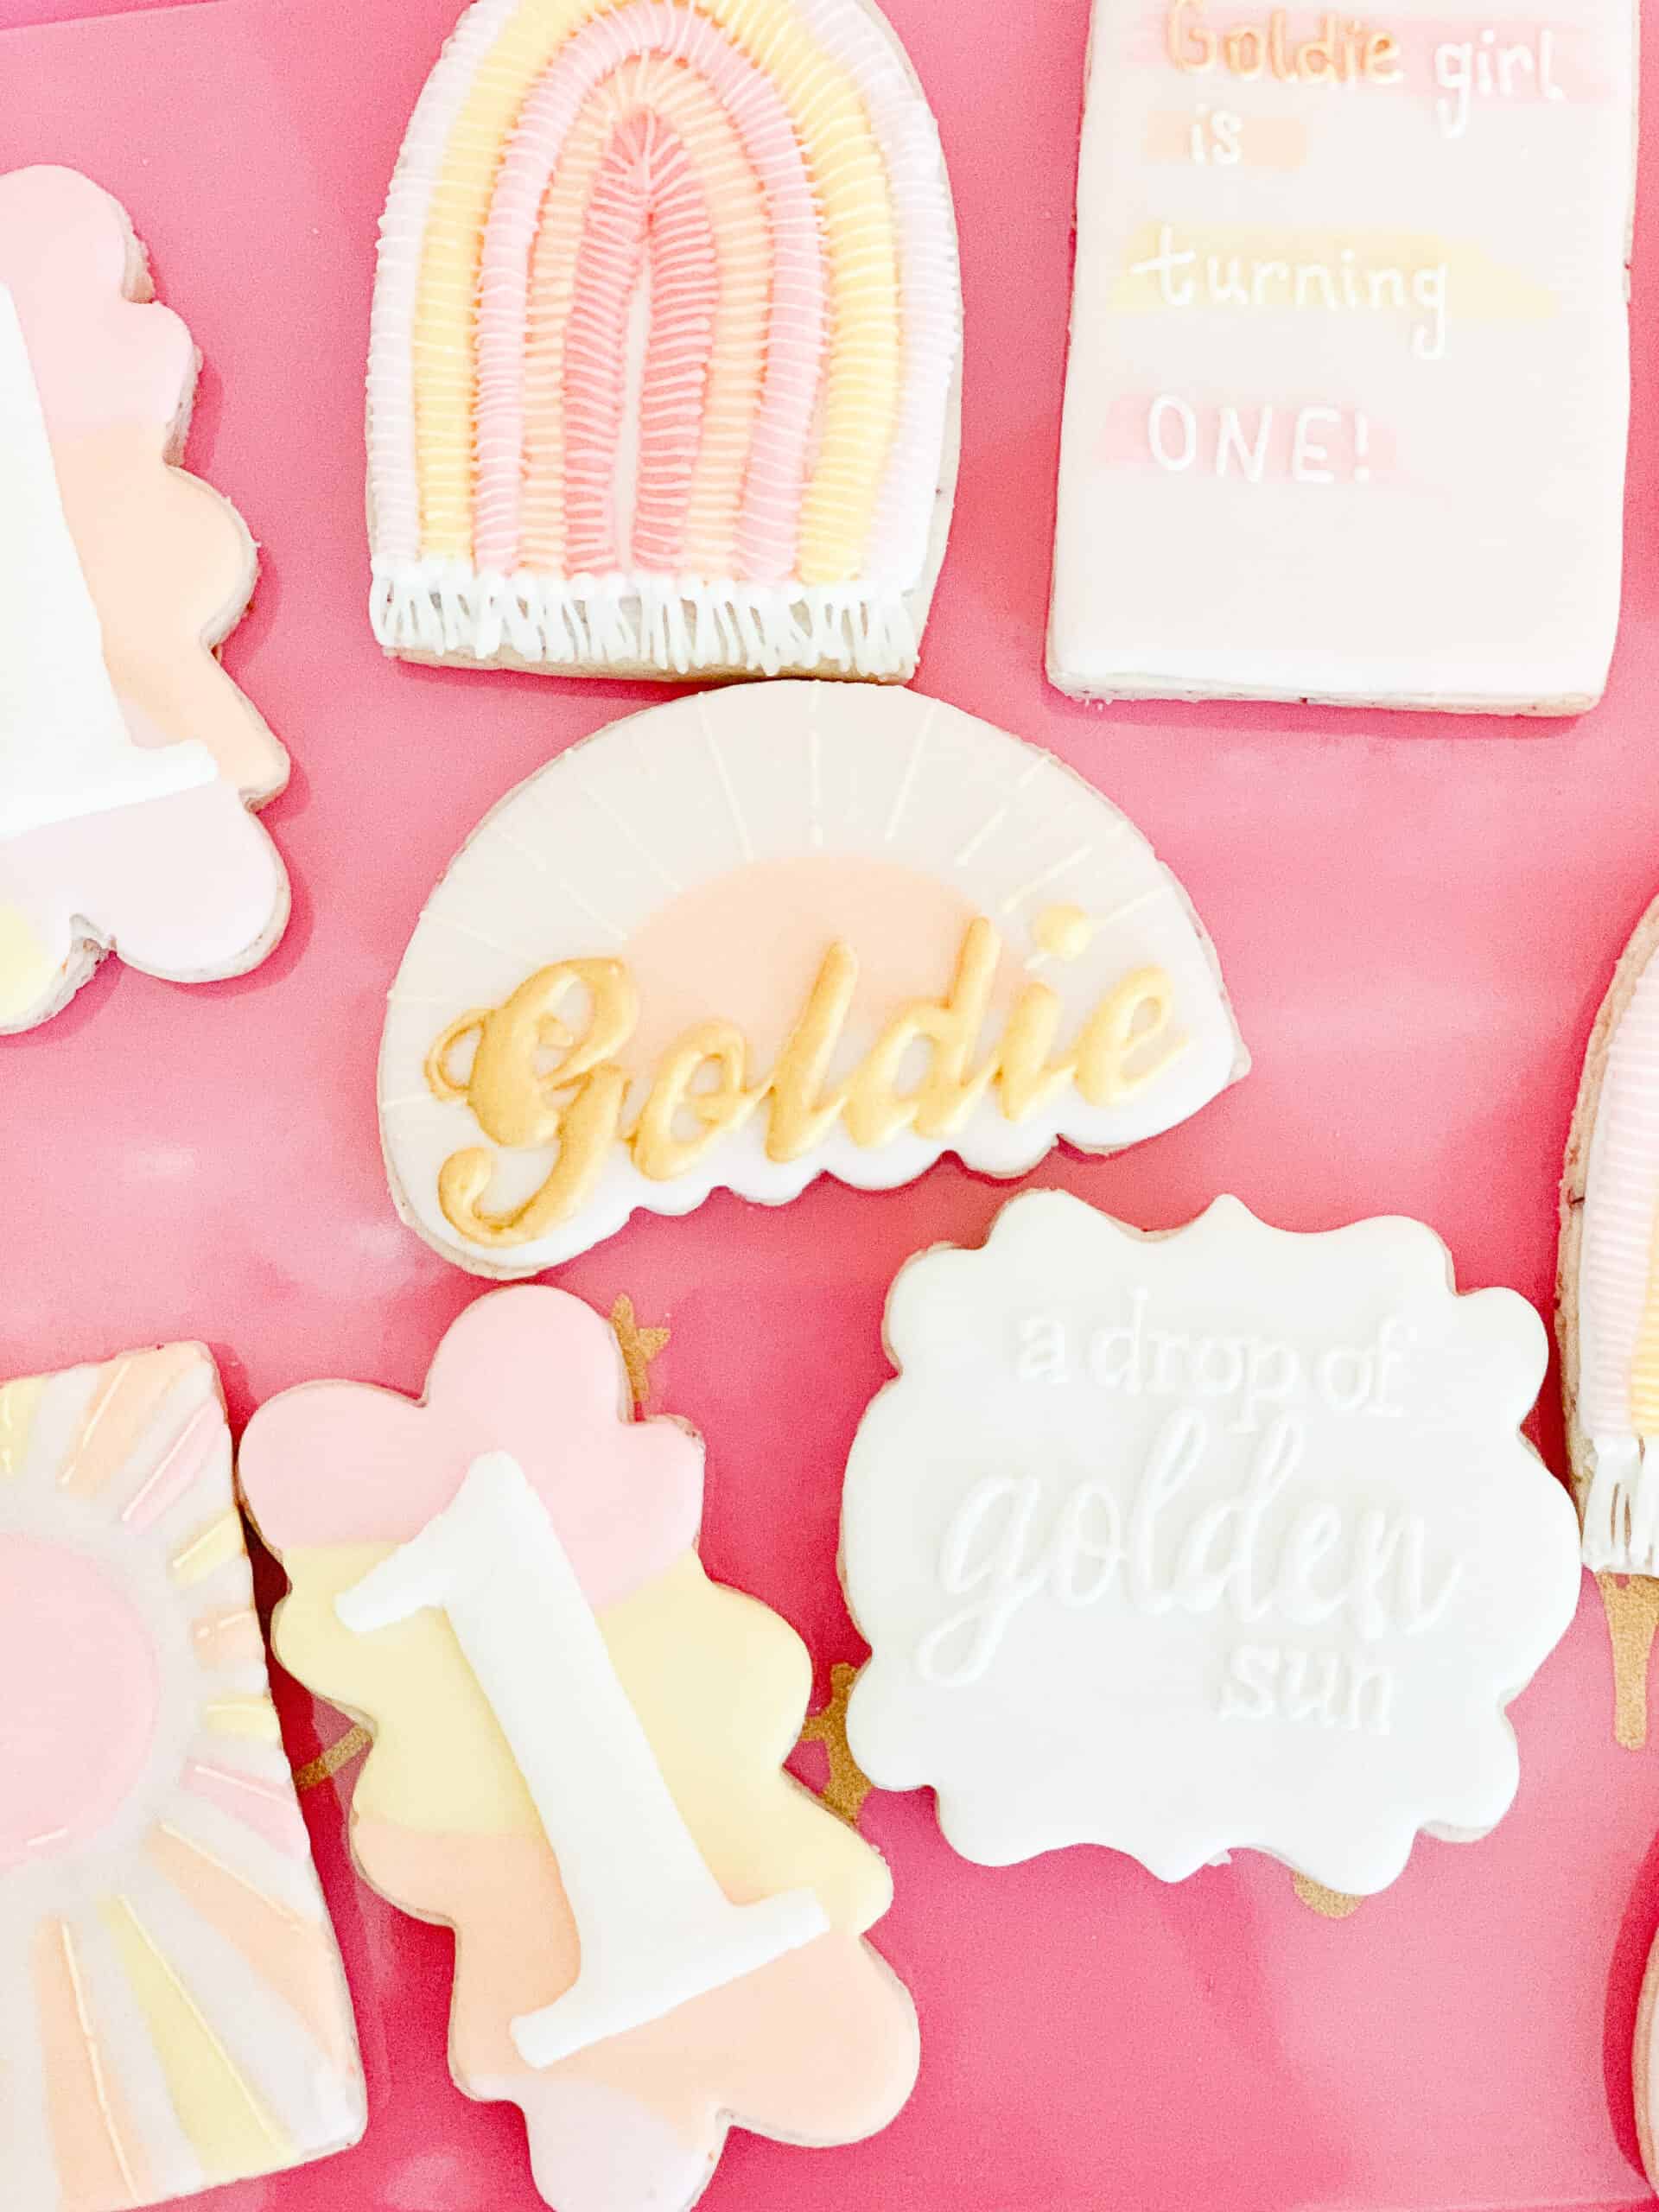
[128,757]
[1216,1540]
[748,939]
[1346,412]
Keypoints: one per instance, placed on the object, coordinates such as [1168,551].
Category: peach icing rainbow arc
[664,342]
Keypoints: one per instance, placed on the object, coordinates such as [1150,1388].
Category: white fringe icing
[1621,1511]
[679,625]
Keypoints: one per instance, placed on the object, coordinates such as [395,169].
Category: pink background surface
[1416,918]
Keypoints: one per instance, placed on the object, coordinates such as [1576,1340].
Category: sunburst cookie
[127,758]
[775,933]
[1608,1304]
[664,367]
[577,1762]
[172,2010]
[1221,1539]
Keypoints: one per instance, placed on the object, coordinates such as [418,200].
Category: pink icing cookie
[577,1759]
[172,2011]
[127,758]
[663,375]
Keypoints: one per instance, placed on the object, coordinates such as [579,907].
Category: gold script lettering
[521,1099]
[658,1152]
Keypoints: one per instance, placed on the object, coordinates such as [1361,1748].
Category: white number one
[656,1927]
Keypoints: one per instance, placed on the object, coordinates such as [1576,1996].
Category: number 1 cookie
[127,758]
[577,1759]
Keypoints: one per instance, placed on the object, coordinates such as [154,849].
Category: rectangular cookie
[1347,412]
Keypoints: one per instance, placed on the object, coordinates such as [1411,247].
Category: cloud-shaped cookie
[1223,1539]
[577,1765]
[126,753]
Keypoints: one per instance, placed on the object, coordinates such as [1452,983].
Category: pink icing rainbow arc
[664,343]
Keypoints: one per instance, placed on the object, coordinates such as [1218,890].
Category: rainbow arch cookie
[664,363]
[172,2011]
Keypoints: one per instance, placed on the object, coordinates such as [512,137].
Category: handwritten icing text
[534,1082]
[1366,1567]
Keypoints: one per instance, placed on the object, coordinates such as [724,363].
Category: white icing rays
[65,748]
[1618,1297]
[689,841]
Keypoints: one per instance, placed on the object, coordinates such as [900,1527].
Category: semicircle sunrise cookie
[127,758]
[578,1759]
[1222,1538]
[775,933]
[664,359]
[173,2016]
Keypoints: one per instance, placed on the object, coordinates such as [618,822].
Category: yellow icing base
[718,1681]
[26,967]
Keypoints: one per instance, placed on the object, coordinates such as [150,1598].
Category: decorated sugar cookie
[126,753]
[775,933]
[172,2010]
[1220,1539]
[1346,410]
[1609,1306]
[577,1759]
[663,376]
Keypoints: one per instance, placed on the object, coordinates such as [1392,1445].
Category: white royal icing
[656,1927]
[1347,404]
[1224,1539]
[65,748]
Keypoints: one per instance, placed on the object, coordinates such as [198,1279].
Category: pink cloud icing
[533,1371]
[99,357]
